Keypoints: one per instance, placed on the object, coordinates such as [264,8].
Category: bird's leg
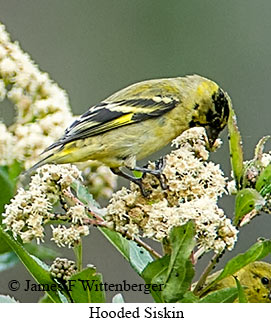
[131,178]
[157,172]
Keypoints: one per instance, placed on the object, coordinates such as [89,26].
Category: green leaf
[225,295]
[7,299]
[42,252]
[241,293]
[173,272]
[41,275]
[7,187]
[8,260]
[137,256]
[63,296]
[8,179]
[137,174]
[256,252]
[84,287]
[247,200]
[236,150]
[83,194]
[41,263]
[118,298]
[189,297]
[180,270]
[4,246]
[45,299]
[14,170]
[118,241]
[155,274]
[263,184]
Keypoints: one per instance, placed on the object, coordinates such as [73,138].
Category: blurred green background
[93,48]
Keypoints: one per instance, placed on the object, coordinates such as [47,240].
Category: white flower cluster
[26,214]
[194,186]
[43,110]
[30,210]
[64,236]
[43,113]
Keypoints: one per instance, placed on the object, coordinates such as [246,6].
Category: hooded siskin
[141,119]
[255,279]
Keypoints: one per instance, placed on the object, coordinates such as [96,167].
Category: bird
[254,277]
[139,120]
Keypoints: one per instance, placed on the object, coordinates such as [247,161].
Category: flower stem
[198,254]
[144,245]
[79,255]
[141,243]
[198,288]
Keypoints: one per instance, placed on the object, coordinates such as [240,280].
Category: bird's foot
[137,181]
[157,172]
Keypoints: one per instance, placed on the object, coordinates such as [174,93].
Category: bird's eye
[265,281]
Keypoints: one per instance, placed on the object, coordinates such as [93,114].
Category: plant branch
[198,254]
[144,245]
[141,243]
[206,273]
[75,200]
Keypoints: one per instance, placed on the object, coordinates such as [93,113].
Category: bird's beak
[212,135]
